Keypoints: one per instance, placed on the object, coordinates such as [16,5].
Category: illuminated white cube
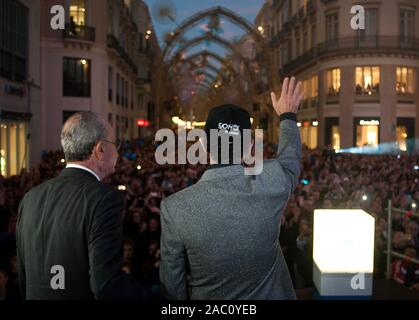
[343,252]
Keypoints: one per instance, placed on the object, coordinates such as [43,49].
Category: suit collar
[76,172]
[78,166]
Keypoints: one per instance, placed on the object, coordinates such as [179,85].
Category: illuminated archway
[178,55]
[198,17]
[175,57]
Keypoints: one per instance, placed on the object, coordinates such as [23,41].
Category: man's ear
[97,150]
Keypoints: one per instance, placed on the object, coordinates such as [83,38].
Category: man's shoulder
[38,189]
[181,198]
[95,188]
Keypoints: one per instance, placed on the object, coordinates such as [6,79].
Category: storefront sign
[143,123]
[369,123]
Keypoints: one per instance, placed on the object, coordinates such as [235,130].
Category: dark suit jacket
[73,221]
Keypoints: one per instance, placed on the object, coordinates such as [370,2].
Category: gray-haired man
[69,232]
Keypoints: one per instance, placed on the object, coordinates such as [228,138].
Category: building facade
[100,62]
[360,86]
[20,79]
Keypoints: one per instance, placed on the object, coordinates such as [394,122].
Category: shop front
[367,132]
[14,147]
[309,133]
[405,134]
[332,133]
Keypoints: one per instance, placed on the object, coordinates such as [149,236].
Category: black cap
[229,119]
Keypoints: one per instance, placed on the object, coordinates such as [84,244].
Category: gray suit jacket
[224,230]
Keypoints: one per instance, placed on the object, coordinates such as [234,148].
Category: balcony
[405,97]
[113,43]
[354,45]
[368,43]
[83,33]
[314,102]
[333,96]
[301,60]
[371,97]
[369,94]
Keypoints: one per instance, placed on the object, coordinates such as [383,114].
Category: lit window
[401,133]
[310,91]
[367,133]
[314,90]
[367,80]
[405,80]
[333,81]
[78,12]
[305,89]
[314,86]
[336,137]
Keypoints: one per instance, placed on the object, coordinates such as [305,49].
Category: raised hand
[290,99]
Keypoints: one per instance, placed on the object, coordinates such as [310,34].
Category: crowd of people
[328,180]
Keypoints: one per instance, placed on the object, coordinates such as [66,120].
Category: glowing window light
[178,121]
